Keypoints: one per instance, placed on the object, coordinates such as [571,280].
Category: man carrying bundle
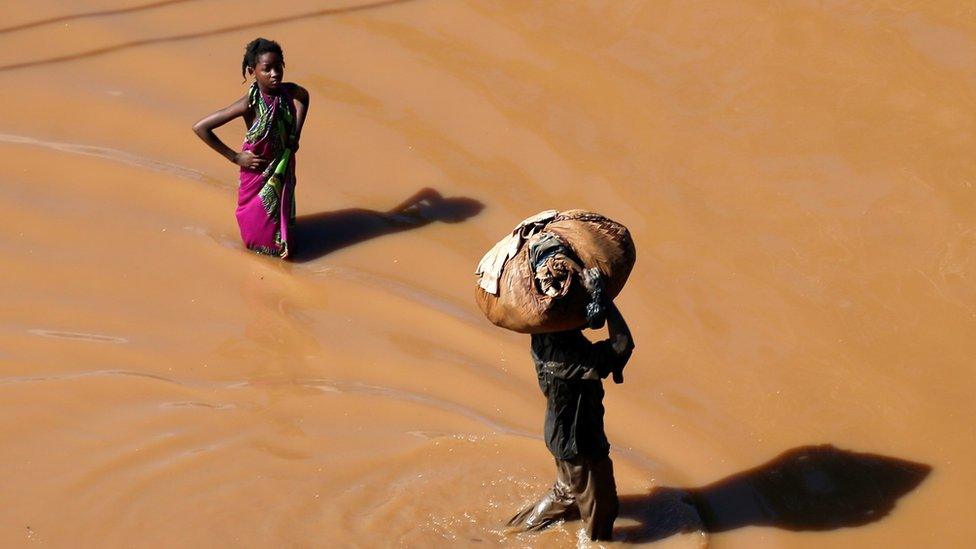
[553,275]
[570,369]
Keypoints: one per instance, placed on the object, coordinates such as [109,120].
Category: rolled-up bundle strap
[549,246]
[596,309]
[553,264]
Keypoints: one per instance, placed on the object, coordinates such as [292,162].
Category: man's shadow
[319,234]
[806,488]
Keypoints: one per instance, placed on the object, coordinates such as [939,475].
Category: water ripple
[77,336]
[115,155]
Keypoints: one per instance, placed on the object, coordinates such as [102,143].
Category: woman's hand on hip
[249,160]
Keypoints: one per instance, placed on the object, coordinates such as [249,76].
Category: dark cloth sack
[538,273]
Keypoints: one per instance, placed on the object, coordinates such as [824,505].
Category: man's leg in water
[557,504]
[595,492]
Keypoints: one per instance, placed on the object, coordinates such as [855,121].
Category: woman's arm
[301,109]
[205,127]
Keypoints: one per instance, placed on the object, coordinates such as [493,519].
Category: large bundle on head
[556,271]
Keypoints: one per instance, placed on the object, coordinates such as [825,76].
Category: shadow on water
[319,234]
[262,24]
[811,488]
[91,14]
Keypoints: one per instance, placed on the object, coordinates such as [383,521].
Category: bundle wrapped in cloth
[555,271]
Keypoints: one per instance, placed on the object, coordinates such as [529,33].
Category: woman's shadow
[319,234]
[807,488]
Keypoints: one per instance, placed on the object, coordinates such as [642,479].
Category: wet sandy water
[798,178]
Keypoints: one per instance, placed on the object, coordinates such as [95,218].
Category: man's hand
[621,343]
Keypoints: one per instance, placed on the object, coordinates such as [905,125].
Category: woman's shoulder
[241,105]
[295,90]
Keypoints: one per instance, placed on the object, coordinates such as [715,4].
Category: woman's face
[269,71]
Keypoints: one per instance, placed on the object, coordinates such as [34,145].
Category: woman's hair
[255,48]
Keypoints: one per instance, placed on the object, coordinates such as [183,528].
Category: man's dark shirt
[569,368]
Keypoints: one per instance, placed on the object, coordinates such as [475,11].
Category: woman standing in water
[274,112]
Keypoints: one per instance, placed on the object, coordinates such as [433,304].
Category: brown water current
[798,178]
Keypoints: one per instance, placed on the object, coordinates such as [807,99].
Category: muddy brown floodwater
[798,177]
